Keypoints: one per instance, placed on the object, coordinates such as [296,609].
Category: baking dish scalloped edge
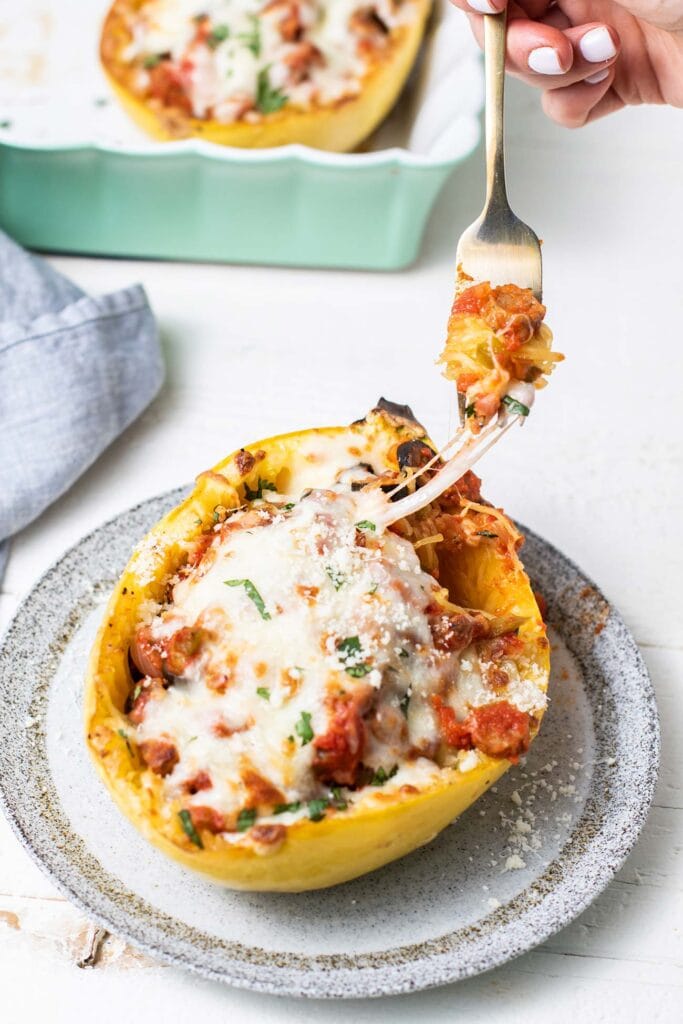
[291,205]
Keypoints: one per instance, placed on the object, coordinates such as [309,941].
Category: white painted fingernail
[599,77]
[545,61]
[483,6]
[597,45]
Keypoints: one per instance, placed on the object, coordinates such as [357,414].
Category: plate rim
[388,978]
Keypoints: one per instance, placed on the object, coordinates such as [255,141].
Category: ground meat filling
[454,633]
[498,350]
[200,781]
[149,688]
[146,653]
[513,313]
[208,819]
[339,751]
[160,755]
[499,729]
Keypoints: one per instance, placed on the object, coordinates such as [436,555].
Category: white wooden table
[254,351]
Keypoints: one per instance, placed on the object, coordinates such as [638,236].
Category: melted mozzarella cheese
[294,607]
[309,589]
[250,46]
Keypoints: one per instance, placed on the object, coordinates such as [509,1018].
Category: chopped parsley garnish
[252,39]
[514,406]
[246,818]
[219,34]
[373,588]
[365,524]
[404,702]
[137,691]
[349,651]
[221,513]
[303,728]
[264,692]
[5,123]
[357,671]
[124,736]
[338,800]
[189,829]
[486,533]
[317,808]
[288,808]
[251,593]
[152,61]
[197,521]
[469,410]
[268,99]
[381,776]
[338,578]
[403,653]
[263,485]
[289,506]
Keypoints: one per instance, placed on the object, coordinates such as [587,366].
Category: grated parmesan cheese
[297,605]
[514,863]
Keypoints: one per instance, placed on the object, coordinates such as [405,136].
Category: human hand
[591,57]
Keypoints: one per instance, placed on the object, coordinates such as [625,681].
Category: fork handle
[495,32]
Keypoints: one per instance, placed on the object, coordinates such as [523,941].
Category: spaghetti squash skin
[346,843]
[336,127]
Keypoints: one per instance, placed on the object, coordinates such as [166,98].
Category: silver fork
[500,248]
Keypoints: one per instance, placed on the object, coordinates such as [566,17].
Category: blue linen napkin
[74,372]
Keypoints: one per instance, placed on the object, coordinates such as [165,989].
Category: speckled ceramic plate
[516,867]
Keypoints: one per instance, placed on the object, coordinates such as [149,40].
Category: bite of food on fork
[498,352]
[498,349]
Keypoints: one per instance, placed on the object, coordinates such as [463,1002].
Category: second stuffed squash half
[284,695]
[260,74]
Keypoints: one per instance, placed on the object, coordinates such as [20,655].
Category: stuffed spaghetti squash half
[284,695]
[260,73]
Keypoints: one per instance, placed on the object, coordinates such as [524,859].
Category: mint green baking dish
[76,175]
[196,201]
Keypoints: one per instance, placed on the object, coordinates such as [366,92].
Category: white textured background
[255,351]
